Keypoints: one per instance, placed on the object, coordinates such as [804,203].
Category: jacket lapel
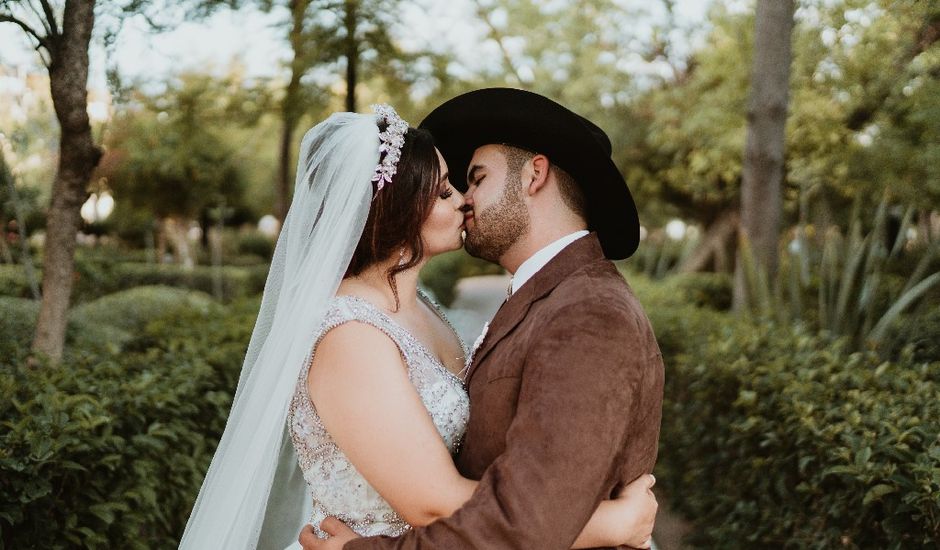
[514,310]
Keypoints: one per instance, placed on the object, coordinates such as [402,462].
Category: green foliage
[442,272]
[711,290]
[917,334]
[171,154]
[691,157]
[777,438]
[857,295]
[109,451]
[128,311]
[17,323]
[659,256]
[864,114]
[237,282]
[13,281]
[94,279]
[257,244]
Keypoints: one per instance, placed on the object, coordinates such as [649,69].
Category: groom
[566,385]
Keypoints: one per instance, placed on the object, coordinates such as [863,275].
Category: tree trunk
[162,241]
[176,231]
[763,170]
[284,170]
[4,249]
[78,156]
[352,54]
[290,108]
[716,242]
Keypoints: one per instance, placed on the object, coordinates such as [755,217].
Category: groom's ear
[538,175]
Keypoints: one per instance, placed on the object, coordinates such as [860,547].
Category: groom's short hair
[570,191]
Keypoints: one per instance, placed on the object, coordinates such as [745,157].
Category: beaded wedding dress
[336,488]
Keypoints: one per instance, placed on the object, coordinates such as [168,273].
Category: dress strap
[344,309]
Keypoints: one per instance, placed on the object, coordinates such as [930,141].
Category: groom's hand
[339,533]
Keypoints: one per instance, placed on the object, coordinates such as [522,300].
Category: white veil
[253,495]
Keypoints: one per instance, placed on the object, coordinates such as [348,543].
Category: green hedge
[99,326]
[917,334]
[237,282]
[776,438]
[109,451]
[13,281]
[94,278]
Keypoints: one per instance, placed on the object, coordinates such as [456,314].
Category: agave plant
[851,279]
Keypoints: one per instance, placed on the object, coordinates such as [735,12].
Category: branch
[495,34]
[6,18]
[39,17]
[50,17]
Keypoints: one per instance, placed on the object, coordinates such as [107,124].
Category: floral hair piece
[390,143]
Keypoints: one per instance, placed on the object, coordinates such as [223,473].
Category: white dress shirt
[538,260]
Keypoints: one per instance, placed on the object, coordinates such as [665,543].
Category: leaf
[900,305]
[103,512]
[863,456]
[842,469]
[877,492]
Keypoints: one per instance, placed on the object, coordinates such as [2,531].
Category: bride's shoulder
[352,338]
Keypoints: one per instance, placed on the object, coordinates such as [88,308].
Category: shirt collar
[538,260]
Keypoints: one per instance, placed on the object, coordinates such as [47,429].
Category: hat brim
[536,123]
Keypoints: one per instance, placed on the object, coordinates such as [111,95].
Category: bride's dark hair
[393,228]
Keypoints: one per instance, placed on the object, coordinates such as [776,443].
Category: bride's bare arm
[360,387]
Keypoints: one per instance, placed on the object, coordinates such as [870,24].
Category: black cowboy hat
[535,123]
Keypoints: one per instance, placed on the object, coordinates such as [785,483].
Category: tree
[173,155]
[341,39]
[63,39]
[304,38]
[763,173]
[62,33]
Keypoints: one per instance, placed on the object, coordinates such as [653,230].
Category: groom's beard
[500,225]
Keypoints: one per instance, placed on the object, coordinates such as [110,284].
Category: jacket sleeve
[576,404]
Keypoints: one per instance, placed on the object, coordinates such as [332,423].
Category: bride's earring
[401,256]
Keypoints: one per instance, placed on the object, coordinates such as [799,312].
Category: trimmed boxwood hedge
[775,438]
[108,450]
[94,279]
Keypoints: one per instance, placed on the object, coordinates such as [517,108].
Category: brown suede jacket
[565,406]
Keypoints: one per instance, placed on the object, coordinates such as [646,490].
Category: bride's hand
[339,533]
[638,506]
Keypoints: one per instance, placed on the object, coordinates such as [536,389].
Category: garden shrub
[105,324]
[96,275]
[132,309]
[918,333]
[773,437]
[17,323]
[257,244]
[109,451]
[13,281]
[711,290]
[237,282]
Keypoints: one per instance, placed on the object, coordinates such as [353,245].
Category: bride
[347,404]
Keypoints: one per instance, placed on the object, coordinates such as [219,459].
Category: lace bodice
[336,488]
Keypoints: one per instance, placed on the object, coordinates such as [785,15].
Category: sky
[251,39]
